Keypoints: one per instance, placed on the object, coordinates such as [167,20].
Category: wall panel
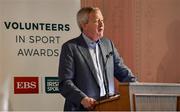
[146,34]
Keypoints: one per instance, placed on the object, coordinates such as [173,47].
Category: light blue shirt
[94,51]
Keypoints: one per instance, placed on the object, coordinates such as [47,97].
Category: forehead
[96,14]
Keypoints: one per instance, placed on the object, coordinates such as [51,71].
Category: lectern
[143,97]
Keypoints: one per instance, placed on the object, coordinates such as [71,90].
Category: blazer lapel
[103,51]
[83,48]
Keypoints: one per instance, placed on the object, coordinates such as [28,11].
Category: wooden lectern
[143,97]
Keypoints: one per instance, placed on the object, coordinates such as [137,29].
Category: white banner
[31,35]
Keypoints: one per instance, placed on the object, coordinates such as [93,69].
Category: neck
[93,38]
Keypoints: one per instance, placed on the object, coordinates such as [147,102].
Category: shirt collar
[89,42]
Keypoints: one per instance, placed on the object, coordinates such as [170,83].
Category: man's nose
[101,23]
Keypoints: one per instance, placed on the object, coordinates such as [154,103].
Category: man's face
[94,29]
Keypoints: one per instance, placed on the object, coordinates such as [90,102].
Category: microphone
[106,84]
[108,55]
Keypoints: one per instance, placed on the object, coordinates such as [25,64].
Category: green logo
[52,84]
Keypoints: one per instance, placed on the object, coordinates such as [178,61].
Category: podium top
[150,84]
[111,98]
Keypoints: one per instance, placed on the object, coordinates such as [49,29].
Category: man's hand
[88,103]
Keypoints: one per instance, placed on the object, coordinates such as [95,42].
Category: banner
[31,35]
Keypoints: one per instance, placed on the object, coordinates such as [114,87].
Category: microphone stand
[105,74]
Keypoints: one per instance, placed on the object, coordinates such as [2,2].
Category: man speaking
[89,63]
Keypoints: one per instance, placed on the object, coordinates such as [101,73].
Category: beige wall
[139,30]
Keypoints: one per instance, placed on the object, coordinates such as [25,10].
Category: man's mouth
[100,29]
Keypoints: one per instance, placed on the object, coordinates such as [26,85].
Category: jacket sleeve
[66,76]
[121,71]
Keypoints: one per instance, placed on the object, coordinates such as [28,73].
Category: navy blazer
[77,74]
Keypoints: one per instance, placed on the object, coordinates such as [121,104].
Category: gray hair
[82,15]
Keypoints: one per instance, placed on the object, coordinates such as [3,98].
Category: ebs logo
[26,85]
